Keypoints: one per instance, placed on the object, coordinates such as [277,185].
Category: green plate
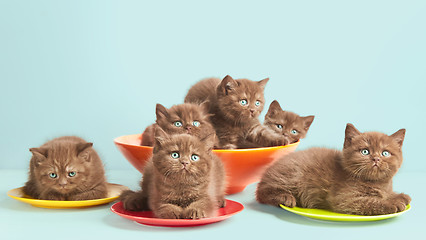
[332,216]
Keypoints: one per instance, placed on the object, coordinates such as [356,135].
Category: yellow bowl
[242,166]
[332,216]
[114,191]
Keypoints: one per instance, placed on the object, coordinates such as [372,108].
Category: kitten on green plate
[355,184]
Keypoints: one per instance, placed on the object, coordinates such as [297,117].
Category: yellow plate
[332,216]
[114,191]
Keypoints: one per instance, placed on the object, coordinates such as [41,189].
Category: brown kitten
[235,106]
[184,179]
[357,180]
[66,168]
[187,118]
[289,124]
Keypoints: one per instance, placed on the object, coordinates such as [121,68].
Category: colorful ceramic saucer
[114,191]
[332,216]
[147,217]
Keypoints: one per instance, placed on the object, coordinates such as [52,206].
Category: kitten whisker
[167,173]
[357,173]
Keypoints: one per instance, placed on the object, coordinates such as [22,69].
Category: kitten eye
[53,175]
[294,131]
[177,124]
[195,157]
[386,153]
[257,104]
[243,102]
[196,123]
[365,152]
[279,126]
[72,174]
[175,155]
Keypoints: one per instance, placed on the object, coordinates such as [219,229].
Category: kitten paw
[194,213]
[403,198]
[392,208]
[221,203]
[287,200]
[399,202]
[229,146]
[132,201]
[52,197]
[281,141]
[274,196]
[169,211]
[286,141]
[400,206]
[386,208]
[89,195]
[375,208]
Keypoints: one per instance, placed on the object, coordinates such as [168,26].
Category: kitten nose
[376,159]
[62,182]
[188,127]
[252,110]
[184,163]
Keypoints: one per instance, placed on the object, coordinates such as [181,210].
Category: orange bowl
[242,166]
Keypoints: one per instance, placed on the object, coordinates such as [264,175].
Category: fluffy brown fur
[180,186]
[289,124]
[357,180]
[235,106]
[66,168]
[187,118]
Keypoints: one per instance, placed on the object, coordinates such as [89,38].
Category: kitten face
[240,100]
[182,156]
[289,124]
[372,156]
[185,118]
[61,169]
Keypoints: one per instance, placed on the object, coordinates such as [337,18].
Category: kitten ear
[40,154]
[39,151]
[350,133]
[227,84]
[160,136]
[274,107]
[209,141]
[308,121]
[83,150]
[399,136]
[161,111]
[262,83]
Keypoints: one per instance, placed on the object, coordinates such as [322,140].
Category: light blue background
[96,69]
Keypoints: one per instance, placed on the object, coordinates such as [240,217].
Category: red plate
[147,217]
